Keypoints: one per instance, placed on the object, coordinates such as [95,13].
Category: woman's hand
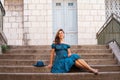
[69,55]
[49,66]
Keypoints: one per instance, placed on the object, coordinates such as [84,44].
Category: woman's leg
[77,64]
[81,63]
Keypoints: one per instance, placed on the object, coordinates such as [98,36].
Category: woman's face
[61,34]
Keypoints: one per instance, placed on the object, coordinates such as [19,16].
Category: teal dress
[62,63]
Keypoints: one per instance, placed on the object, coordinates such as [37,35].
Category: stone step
[90,47]
[49,53]
[17,63]
[32,69]
[72,46]
[30,47]
[73,51]
[63,76]
[50,48]
[101,68]
[31,62]
[47,56]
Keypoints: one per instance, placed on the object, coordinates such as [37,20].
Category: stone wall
[38,21]
[29,22]
[91,16]
[13,21]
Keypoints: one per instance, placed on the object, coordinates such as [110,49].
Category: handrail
[3,38]
[110,30]
[113,44]
[2,35]
[114,41]
[107,21]
[2,9]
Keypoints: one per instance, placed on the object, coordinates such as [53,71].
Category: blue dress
[62,63]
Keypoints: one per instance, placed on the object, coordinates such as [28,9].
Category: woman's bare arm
[51,58]
[69,52]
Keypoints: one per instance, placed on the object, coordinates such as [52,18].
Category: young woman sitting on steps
[64,59]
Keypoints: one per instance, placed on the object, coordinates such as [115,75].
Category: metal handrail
[2,8]
[112,16]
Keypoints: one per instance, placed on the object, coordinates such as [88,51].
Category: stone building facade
[35,22]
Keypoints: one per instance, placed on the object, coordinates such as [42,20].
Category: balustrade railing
[3,39]
[110,30]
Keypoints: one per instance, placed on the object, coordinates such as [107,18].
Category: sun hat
[39,64]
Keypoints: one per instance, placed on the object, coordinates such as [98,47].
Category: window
[58,4]
[70,4]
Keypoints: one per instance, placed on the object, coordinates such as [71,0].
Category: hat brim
[38,65]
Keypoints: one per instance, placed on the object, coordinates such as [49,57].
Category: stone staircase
[16,64]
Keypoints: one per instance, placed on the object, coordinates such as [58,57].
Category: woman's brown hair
[57,39]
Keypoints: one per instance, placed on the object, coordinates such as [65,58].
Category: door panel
[71,21]
[65,17]
[58,16]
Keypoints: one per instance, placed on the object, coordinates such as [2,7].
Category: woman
[64,60]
